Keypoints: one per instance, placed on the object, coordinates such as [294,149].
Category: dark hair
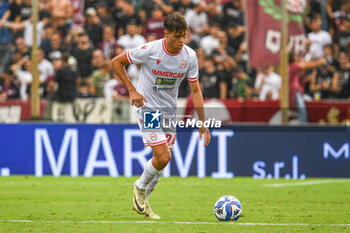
[330,46]
[65,57]
[315,16]
[175,22]
[342,50]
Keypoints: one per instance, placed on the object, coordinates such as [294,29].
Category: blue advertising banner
[117,150]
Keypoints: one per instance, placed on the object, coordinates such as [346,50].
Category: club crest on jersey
[144,47]
[183,64]
[153,137]
[158,61]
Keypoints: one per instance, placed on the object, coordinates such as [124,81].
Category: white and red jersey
[162,72]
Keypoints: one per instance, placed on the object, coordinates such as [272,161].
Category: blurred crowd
[76,50]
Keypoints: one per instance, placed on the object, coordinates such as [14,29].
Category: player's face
[175,40]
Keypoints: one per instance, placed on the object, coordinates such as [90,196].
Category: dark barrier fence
[117,150]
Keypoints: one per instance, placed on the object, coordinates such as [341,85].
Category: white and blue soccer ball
[228,208]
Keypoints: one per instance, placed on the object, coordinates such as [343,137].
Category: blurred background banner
[117,150]
[264,30]
[268,111]
[92,110]
[97,110]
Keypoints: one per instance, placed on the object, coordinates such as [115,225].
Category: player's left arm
[197,99]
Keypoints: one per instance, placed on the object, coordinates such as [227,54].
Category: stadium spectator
[200,53]
[61,11]
[14,11]
[336,10]
[214,15]
[117,15]
[155,23]
[83,54]
[319,38]
[45,67]
[8,88]
[190,41]
[93,27]
[84,90]
[109,42]
[344,34]
[242,55]
[267,84]
[46,37]
[118,50]
[147,6]
[212,81]
[234,12]
[198,21]
[321,82]
[314,8]
[224,53]
[25,9]
[91,3]
[307,53]
[102,13]
[24,75]
[14,57]
[28,30]
[183,6]
[341,80]
[55,48]
[131,39]
[71,39]
[332,7]
[130,16]
[223,58]
[296,92]
[5,34]
[114,89]
[66,78]
[151,37]
[240,85]
[235,35]
[330,58]
[99,78]
[211,41]
[98,59]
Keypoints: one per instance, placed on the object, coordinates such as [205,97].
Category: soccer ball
[228,208]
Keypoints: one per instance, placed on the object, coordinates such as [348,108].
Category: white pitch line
[307,183]
[174,222]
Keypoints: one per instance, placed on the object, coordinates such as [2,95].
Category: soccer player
[165,63]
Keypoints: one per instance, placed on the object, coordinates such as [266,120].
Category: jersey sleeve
[192,75]
[138,55]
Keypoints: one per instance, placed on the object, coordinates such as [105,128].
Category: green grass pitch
[104,204]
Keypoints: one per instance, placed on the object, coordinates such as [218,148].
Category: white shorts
[157,138]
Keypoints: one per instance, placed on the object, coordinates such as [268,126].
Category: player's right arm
[118,63]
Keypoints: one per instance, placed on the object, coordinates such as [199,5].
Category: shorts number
[171,138]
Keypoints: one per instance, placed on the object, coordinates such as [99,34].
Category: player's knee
[167,157]
[163,157]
